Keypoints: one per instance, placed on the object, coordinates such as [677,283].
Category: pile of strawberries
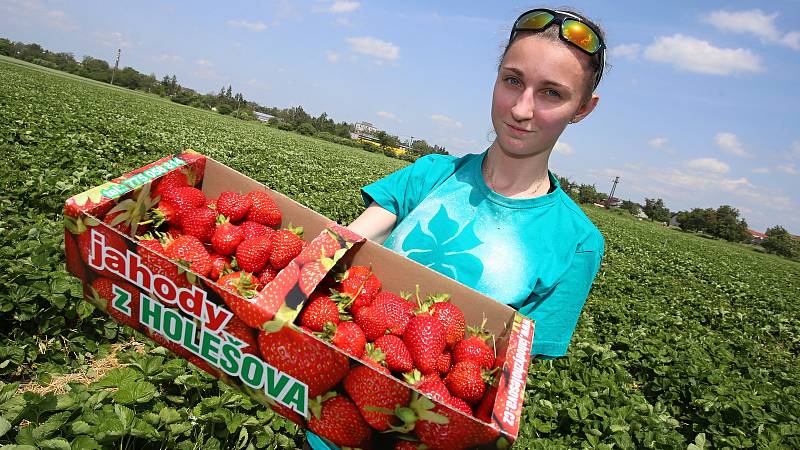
[426,343]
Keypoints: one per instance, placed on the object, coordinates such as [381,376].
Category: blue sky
[699,108]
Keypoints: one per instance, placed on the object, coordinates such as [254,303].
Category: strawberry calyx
[315,405]
[297,231]
[374,355]
[479,331]
[420,408]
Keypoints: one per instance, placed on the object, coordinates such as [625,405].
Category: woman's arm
[375,223]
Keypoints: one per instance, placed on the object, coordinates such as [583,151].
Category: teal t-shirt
[537,255]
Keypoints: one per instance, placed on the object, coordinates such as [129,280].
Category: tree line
[226,101]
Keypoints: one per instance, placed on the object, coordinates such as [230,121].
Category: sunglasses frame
[559,17]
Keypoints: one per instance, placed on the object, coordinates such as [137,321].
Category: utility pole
[613,188]
[116,66]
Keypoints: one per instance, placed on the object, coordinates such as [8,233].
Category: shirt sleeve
[556,314]
[401,191]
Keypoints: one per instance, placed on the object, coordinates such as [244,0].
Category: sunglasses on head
[573,30]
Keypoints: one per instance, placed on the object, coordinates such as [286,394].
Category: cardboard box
[270,358]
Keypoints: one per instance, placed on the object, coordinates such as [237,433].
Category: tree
[780,242]
[728,226]
[383,138]
[587,193]
[307,129]
[631,207]
[655,210]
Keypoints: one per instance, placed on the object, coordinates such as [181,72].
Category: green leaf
[135,392]
[118,376]
[85,443]
[54,444]
[5,425]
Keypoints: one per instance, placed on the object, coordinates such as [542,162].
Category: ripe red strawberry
[104,287]
[370,390]
[475,348]
[171,180]
[220,265]
[373,321]
[150,251]
[265,276]
[264,209]
[398,359]
[460,432]
[190,252]
[407,445]
[271,300]
[361,284]
[484,410]
[252,229]
[318,310]
[375,358]
[175,202]
[466,382]
[234,285]
[323,246]
[460,405]
[337,419]
[398,311]
[226,238]
[347,336]
[199,222]
[311,274]
[234,206]
[252,254]
[304,358]
[434,387]
[425,339]
[112,239]
[286,245]
[451,317]
[445,362]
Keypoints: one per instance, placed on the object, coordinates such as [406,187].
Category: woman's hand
[375,223]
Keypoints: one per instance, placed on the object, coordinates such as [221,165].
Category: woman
[499,221]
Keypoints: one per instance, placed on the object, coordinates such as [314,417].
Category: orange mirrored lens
[581,35]
[534,21]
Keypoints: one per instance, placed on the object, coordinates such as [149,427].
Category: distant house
[614,202]
[365,128]
[263,117]
[756,237]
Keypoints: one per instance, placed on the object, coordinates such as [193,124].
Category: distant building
[365,128]
[263,117]
[614,202]
[756,237]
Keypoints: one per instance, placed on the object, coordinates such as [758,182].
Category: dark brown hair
[551,33]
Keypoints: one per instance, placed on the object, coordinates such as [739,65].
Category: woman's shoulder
[587,232]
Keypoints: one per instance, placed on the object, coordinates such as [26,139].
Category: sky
[699,106]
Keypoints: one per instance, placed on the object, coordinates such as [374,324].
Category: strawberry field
[684,342]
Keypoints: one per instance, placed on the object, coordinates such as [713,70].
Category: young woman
[498,221]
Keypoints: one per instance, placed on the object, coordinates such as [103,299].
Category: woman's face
[540,87]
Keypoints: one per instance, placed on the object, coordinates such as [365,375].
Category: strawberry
[408,445]
[150,251]
[484,410]
[323,246]
[360,284]
[460,405]
[189,251]
[398,311]
[319,310]
[199,222]
[220,265]
[252,254]
[175,202]
[458,431]
[304,358]
[112,239]
[466,381]
[286,245]
[371,390]
[234,285]
[271,301]
[444,363]
[234,206]
[475,348]
[398,359]
[264,210]
[373,322]
[104,287]
[425,339]
[337,419]
[347,336]
[171,180]
[226,237]
[265,276]
[72,257]
[252,229]
[239,330]
[435,388]
[451,317]
[375,358]
[310,276]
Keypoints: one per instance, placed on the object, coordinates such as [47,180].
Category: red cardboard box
[253,344]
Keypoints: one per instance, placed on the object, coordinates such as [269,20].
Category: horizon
[696,108]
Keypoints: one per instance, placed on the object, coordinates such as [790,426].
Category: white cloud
[626,51]
[387,115]
[761,170]
[709,165]
[332,57]
[34,12]
[168,57]
[695,55]
[204,62]
[729,143]
[256,27]
[657,142]
[113,39]
[789,169]
[374,47]
[756,23]
[447,121]
[563,148]
[339,7]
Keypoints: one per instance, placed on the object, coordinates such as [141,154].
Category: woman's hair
[552,33]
